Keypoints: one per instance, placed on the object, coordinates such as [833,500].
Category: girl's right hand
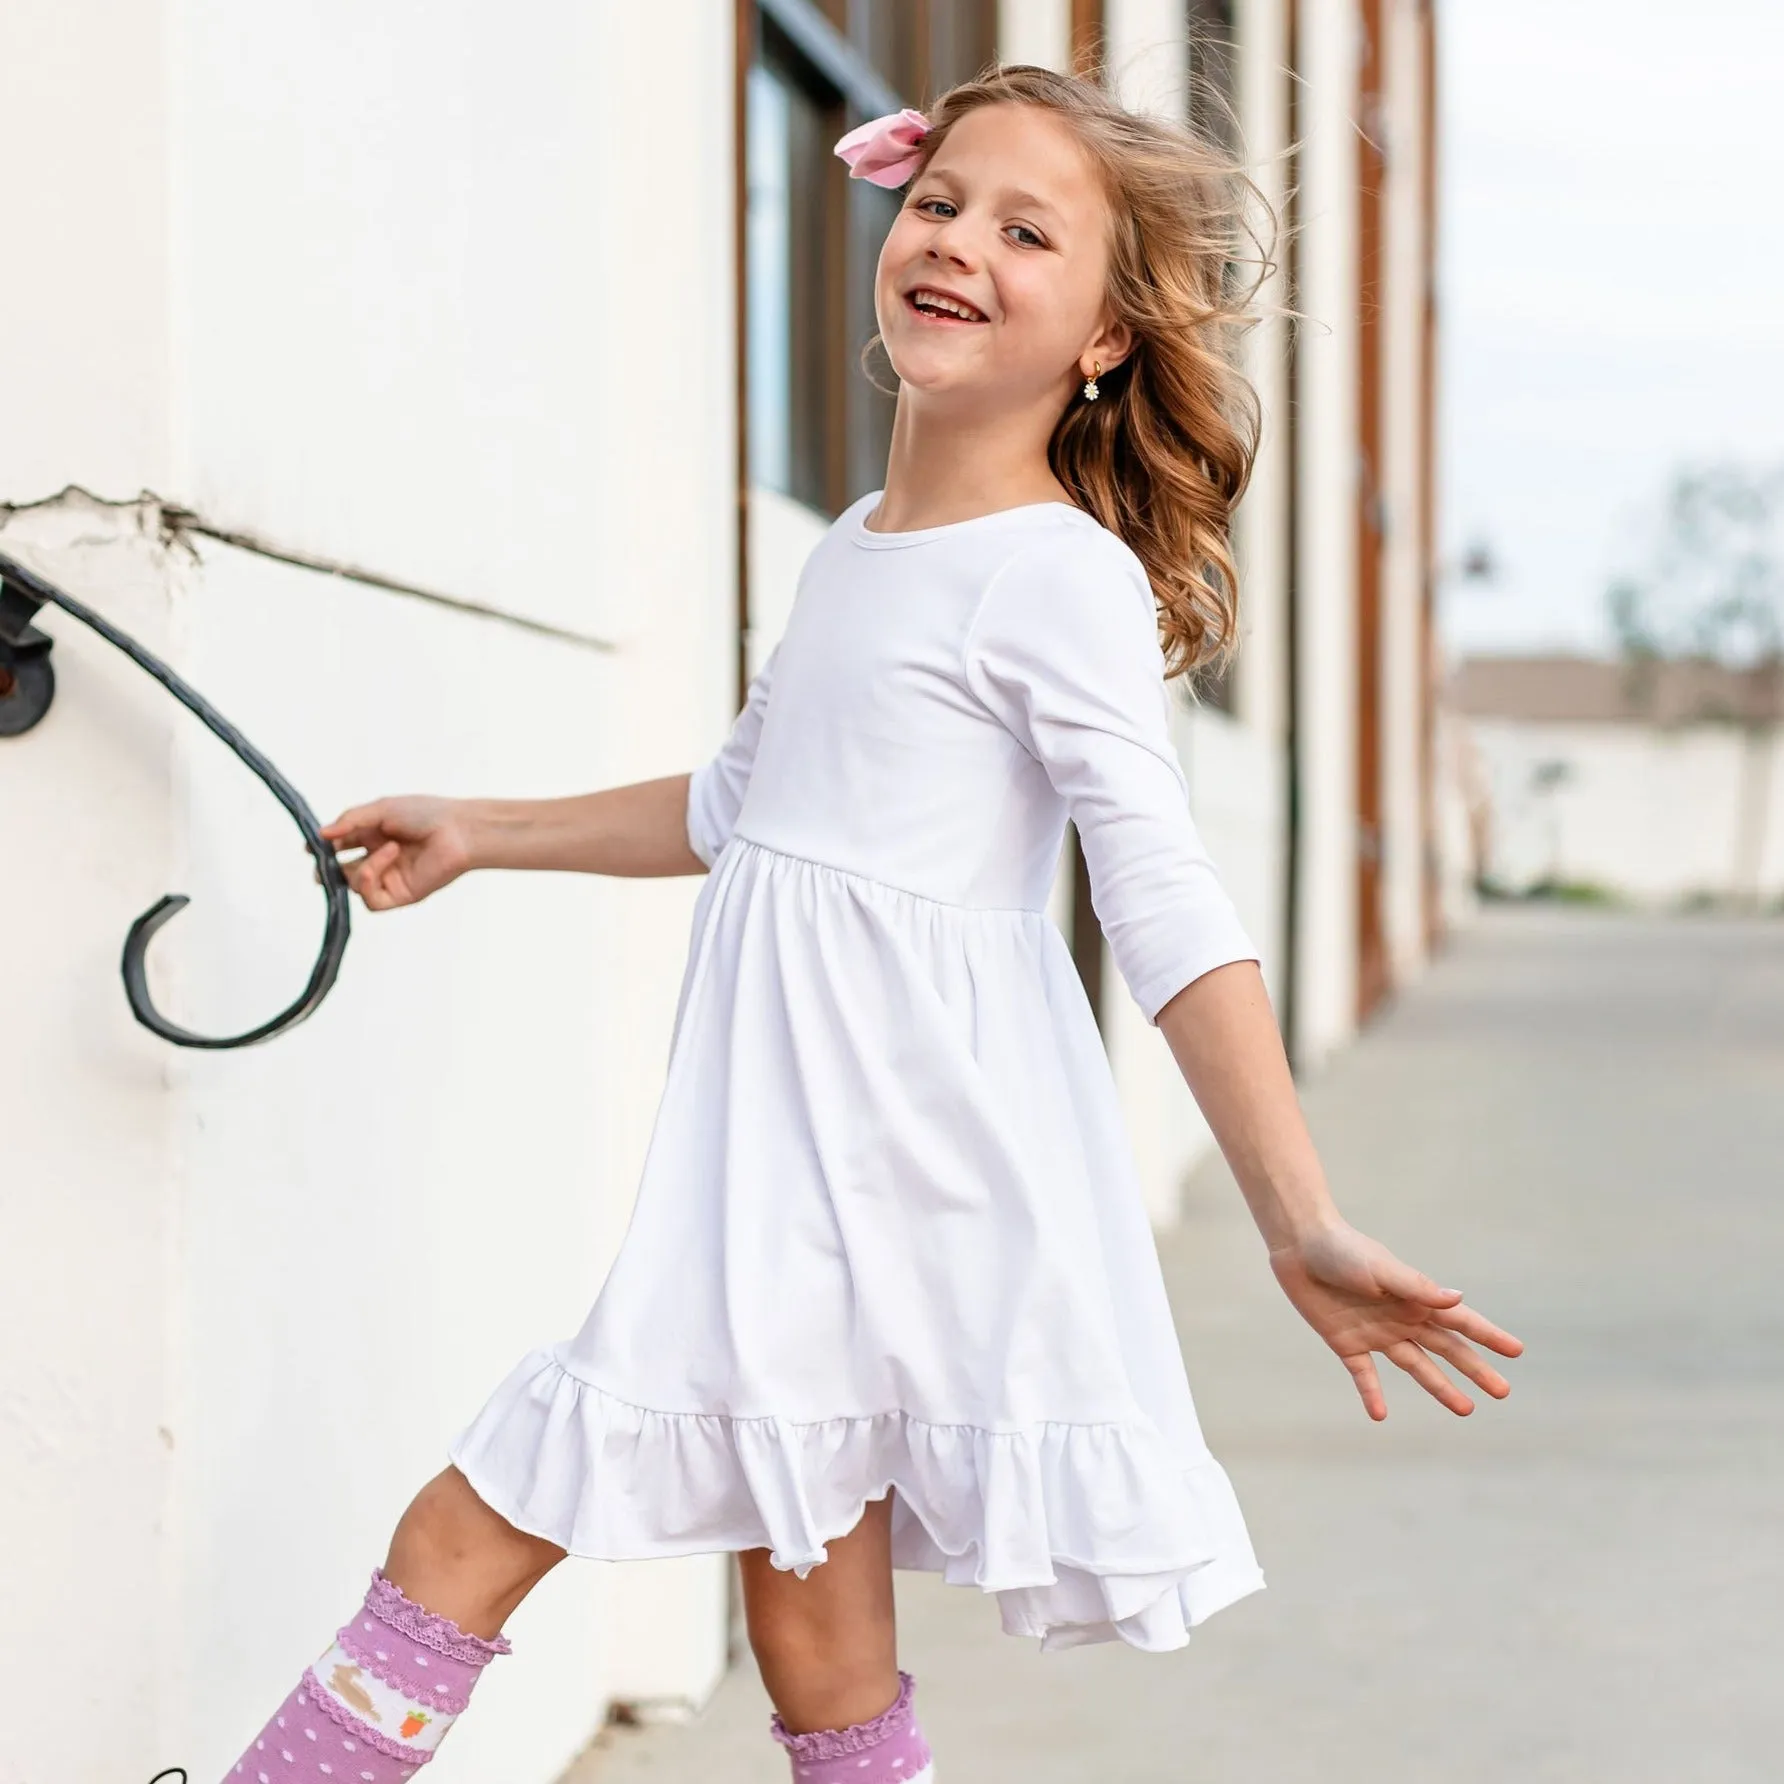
[1361,1299]
[413,846]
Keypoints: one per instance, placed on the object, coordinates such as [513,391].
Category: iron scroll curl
[22,593]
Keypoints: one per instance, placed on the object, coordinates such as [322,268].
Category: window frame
[818,48]
[807,49]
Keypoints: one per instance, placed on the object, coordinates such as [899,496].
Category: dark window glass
[818,428]
[885,36]
[871,404]
[1212,34]
[794,263]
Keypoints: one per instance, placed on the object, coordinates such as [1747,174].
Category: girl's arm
[638,830]
[673,825]
[1064,651]
[1355,1293]
[414,846]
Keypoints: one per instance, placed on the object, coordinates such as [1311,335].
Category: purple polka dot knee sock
[888,1750]
[373,1709]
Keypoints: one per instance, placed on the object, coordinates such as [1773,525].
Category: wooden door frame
[1089,33]
[745,26]
[1089,946]
[1373,971]
[1430,654]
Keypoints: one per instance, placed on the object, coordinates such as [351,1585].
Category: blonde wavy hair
[1165,454]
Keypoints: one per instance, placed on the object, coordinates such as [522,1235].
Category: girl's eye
[1026,236]
[947,208]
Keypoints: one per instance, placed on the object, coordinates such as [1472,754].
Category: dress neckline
[869,504]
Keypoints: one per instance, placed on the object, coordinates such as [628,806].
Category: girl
[888,1297]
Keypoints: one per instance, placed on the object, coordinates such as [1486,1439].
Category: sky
[1611,288]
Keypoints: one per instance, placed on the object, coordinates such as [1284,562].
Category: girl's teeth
[925,300]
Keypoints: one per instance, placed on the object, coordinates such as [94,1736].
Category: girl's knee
[462,1559]
[815,1686]
[448,1518]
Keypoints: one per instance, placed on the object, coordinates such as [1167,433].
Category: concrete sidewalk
[1579,1119]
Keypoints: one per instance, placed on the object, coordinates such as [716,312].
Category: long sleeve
[1064,651]
[716,787]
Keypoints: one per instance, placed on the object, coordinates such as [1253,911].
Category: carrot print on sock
[376,1703]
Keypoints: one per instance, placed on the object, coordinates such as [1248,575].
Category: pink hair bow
[885,150]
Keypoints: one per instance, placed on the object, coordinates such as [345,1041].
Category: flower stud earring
[1091,393]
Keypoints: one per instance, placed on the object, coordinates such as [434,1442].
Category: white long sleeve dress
[889,1233]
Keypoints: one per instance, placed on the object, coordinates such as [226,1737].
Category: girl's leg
[462,1560]
[400,1670]
[827,1646]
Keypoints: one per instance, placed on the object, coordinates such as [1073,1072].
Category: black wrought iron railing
[27,689]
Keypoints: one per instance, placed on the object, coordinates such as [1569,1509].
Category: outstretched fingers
[1417,1354]
[1473,1325]
[1462,1356]
[1362,1371]
[1423,1369]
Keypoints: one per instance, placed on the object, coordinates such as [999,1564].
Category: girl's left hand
[1361,1299]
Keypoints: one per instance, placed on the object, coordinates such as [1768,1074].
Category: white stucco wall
[782,535]
[87,1232]
[85,351]
[1262,533]
[385,237]
[376,306]
[1037,31]
[1652,813]
[1326,945]
[1405,675]
[1147,49]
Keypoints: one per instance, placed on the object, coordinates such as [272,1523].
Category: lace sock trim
[834,1743]
[386,1602]
[351,1726]
[437,1694]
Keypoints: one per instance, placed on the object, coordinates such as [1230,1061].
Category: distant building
[516,360]
[1656,781]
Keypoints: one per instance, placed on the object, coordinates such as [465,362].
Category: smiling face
[992,281]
